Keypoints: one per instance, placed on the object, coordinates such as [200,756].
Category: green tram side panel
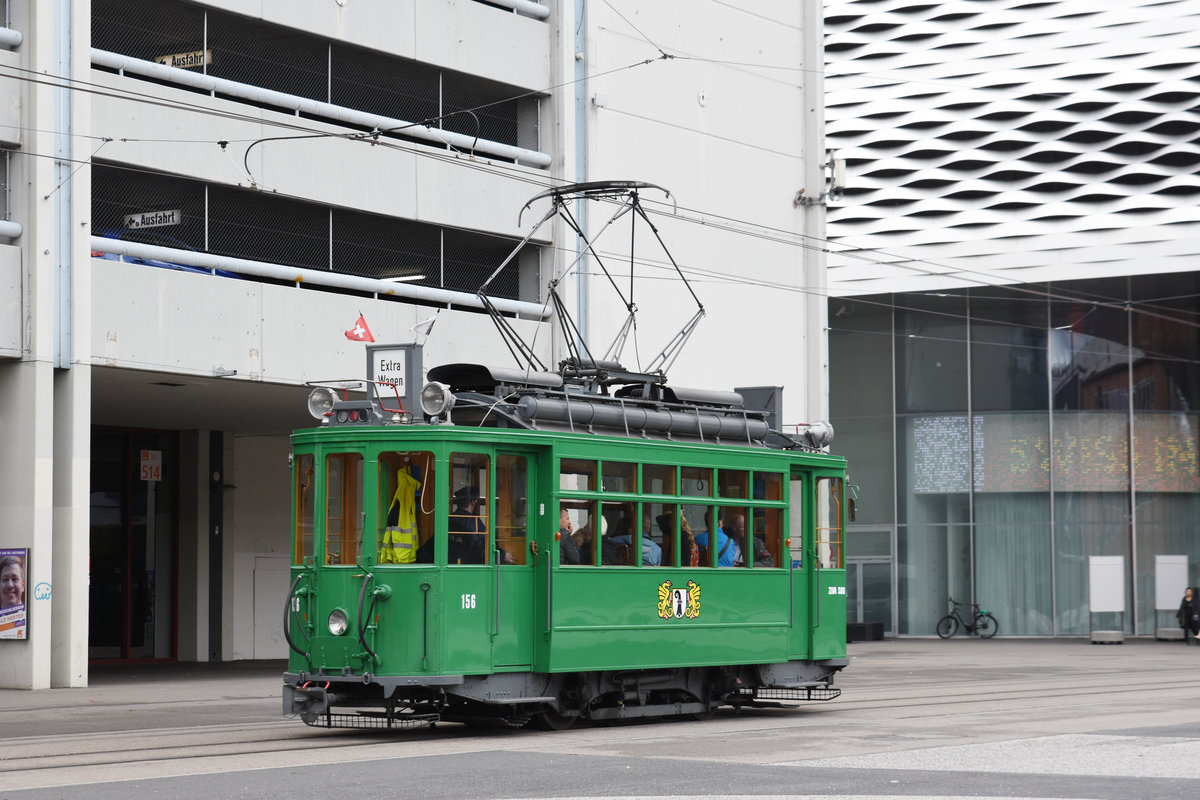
[467,603]
[829,633]
[800,634]
[610,618]
[513,647]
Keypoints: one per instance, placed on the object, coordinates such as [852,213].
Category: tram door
[518,515]
[829,581]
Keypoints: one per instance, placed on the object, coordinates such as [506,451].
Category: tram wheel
[947,626]
[553,721]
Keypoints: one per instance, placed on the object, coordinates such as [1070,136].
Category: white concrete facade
[731,123]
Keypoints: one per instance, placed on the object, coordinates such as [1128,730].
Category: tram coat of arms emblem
[677,603]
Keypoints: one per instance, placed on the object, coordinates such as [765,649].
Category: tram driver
[467,540]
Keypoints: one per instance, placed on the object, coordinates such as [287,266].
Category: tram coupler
[305,701]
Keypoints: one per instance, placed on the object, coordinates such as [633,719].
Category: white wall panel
[727,133]
[162,320]
[442,32]
[10,98]
[11,302]
[470,37]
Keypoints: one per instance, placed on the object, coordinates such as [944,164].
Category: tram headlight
[338,622]
[436,399]
[320,402]
[820,434]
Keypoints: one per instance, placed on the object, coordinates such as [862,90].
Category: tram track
[897,697]
[284,742]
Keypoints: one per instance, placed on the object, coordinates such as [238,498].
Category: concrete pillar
[71,525]
[26,468]
[46,416]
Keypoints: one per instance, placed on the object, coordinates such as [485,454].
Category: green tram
[433,578]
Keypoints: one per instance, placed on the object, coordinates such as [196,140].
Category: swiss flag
[360,332]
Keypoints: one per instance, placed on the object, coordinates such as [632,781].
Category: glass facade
[1000,436]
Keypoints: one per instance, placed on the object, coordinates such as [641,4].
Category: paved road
[918,719]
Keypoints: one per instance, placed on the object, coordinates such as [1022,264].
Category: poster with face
[13,616]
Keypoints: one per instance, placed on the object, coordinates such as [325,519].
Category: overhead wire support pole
[570,332]
[580,360]
[566,215]
[671,351]
[512,339]
[515,250]
[669,256]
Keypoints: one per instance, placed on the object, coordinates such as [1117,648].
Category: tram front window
[305,512]
[405,511]
[343,508]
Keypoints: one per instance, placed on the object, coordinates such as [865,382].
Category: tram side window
[305,498]
[676,529]
[404,511]
[343,508]
[734,522]
[467,522]
[658,526]
[618,476]
[696,482]
[768,537]
[699,521]
[734,483]
[582,516]
[658,479]
[829,523]
[768,486]
[577,475]
[768,522]
[512,507]
[618,546]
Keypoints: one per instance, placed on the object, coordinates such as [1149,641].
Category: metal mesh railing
[260,54]
[184,214]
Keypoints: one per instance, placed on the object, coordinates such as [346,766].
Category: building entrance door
[869,591]
[870,564]
[133,545]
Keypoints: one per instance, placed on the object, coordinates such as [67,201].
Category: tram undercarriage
[552,701]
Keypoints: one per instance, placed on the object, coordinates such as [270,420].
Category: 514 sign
[151,465]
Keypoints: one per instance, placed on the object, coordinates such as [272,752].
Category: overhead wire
[765,233]
[752,230]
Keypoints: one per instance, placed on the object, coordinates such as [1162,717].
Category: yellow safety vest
[399,544]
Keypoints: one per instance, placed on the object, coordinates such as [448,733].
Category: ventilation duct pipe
[636,418]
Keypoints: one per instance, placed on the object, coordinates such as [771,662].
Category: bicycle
[982,623]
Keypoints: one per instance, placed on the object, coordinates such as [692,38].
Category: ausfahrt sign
[153,219]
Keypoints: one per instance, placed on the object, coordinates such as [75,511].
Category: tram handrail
[287,622]
[425,626]
[497,601]
[362,593]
